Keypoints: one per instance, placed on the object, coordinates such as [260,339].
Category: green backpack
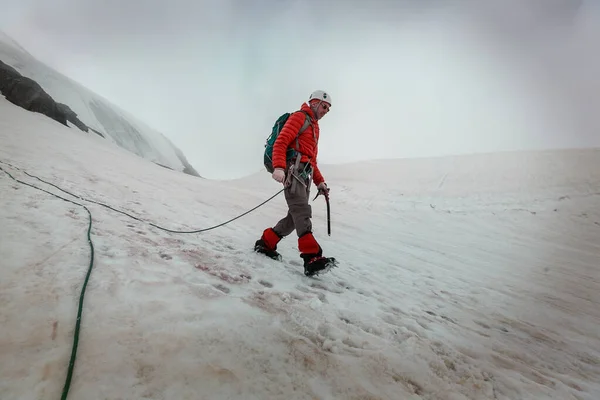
[268,156]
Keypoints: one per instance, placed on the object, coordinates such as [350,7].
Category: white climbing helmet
[320,95]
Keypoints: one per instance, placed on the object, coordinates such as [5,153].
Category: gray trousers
[299,210]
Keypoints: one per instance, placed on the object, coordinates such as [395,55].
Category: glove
[279,175]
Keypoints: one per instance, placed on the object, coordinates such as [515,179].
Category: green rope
[89,271]
[79,311]
[81,296]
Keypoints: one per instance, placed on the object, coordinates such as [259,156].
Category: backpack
[268,156]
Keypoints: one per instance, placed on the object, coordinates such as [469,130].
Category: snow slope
[96,112]
[461,278]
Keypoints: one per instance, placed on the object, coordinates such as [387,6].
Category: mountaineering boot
[318,265]
[261,248]
[267,244]
[312,254]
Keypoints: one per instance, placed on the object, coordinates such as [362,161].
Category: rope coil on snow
[89,271]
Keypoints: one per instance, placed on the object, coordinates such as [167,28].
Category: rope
[71,367]
[81,296]
[139,219]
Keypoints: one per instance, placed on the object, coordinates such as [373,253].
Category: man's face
[320,108]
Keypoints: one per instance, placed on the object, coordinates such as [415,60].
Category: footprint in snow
[344,285]
[316,287]
[442,316]
[226,248]
[395,310]
[303,289]
[482,324]
[486,326]
[222,288]
[323,286]
[224,274]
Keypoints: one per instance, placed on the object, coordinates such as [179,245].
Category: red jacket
[307,142]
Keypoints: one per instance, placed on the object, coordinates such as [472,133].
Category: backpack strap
[307,122]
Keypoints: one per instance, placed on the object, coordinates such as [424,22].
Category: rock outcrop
[72,117]
[30,84]
[28,94]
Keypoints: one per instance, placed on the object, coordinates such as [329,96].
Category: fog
[407,78]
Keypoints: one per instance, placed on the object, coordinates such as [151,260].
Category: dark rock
[188,169]
[28,94]
[72,116]
[97,133]
[161,165]
[6,72]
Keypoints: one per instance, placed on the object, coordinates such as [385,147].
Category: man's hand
[323,189]
[279,175]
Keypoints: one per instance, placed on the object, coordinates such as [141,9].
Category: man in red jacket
[296,178]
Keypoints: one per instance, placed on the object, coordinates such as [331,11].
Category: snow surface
[115,124]
[461,278]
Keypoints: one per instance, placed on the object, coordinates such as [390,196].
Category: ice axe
[326,195]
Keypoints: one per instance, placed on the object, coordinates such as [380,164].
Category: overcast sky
[406,80]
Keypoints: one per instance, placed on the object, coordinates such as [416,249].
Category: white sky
[406,81]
